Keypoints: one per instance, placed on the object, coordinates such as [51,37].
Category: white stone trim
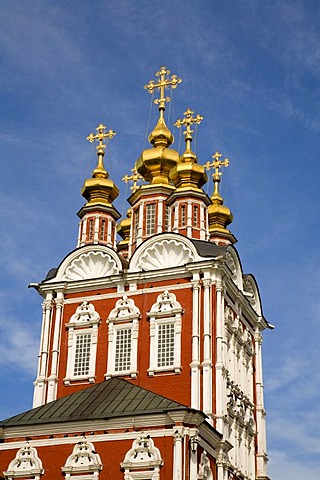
[125,315]
[84,321]
[207,350]
[26,464]
[165,311]
[91,261]
[195,364]
[83,460]
[166,251]
[53,379]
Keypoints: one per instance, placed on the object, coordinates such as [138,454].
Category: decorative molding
[85,315]
[164,251]
[91,265]
[142,455]
[165,313]
[123,320]
[89,262]
[26,464]
[235,267]
[204,472]
[84,459]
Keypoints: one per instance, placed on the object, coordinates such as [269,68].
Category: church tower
[150,363]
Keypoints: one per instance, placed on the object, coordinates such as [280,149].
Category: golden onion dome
[100,189]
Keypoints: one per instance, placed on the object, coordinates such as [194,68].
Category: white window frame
[165,311]
[85,321]
[126,316]
[150,218]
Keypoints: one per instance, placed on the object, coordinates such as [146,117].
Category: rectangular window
[90,230]
[150,218]
[103,230]
[183,215]
[82,355]
[123,350]
[166,217]
[166,345]
[195,215]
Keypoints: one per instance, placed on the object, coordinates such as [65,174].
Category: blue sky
[252,69]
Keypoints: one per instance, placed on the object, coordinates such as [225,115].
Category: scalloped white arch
[250,286]
[92,261]
[163,251]
[235,267]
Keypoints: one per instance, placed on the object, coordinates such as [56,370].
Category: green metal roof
[112,398]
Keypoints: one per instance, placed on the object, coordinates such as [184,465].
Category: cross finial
[134,178]
[188,120]
[100,136]
[216,164]
[100,171]
[162,84]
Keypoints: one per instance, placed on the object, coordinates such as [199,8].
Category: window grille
[123,350]
[103,230]
[166,345]
[195,215]
[82,355]
[90,234]
[166,217]
[150,218]
[183,215]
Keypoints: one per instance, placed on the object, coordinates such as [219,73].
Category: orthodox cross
[188,121]
[134,178]
[100,136]
[163,83]
[100,171]
[216,164]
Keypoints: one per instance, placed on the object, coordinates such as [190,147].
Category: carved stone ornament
[91,265]
[163,253]
[143,454]
[85,315]
[166,303]
[26,464]
[235,267]
[125,309]
[83,459]
[204,472]
[253,297]
[91,261]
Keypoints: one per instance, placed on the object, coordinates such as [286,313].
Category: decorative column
[195,364]
[220,380]
[207,354]
[260,411]
[53,379]
[40,383]
[177,455]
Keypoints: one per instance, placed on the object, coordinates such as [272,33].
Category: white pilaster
[195,364]
[207,353]
[260,412]
[177,456]
[53,379]
[40,383]
[159,220]
[220,381]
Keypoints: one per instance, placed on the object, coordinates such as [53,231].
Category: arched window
[82,343]
[84,463]
[165,334]
[123,338]
[143,460]
[26,464]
